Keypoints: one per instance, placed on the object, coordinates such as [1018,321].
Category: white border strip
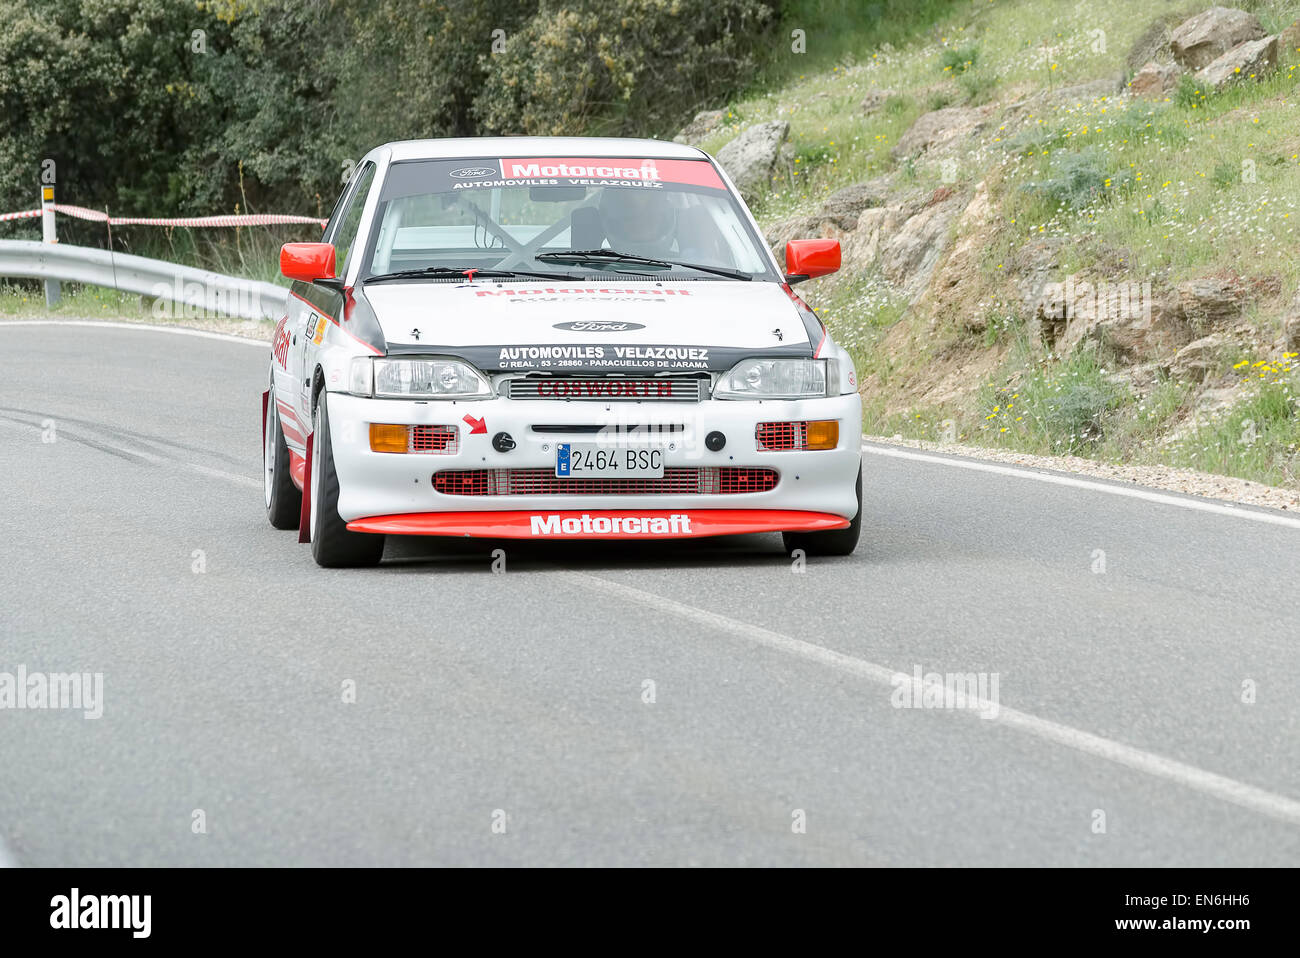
[1147,495]
[1208,783]
[139,327]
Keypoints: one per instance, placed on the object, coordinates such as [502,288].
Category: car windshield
[502,214]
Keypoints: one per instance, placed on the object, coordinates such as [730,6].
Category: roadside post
[52,286]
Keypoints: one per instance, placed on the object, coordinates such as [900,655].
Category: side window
[343,227]
[332,224]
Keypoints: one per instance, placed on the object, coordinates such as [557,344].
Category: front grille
[608,388]
[434,439]
[781,436]
[677,481]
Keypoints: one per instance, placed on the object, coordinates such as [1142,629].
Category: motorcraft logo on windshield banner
[598,327]
[624,171]
[604,170]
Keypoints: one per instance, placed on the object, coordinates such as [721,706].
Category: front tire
[332,544]
[283,498]
[836,542]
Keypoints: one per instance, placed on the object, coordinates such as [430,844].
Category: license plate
[590,460]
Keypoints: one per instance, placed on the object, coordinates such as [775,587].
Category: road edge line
[138,327]
[1092,485]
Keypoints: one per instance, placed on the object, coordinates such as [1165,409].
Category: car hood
[612,324]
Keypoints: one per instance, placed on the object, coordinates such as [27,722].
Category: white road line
[1217,786]
[138,327]
[7,858]
[1147,495]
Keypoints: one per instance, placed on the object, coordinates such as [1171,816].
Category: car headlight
[417,379]
[774,379]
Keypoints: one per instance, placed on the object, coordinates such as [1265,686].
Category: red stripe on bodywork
[519,525]
[291,433]
[289,422]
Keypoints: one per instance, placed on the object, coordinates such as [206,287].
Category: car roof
[557,146]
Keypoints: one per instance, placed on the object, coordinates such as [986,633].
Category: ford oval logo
[597,326]
[473,173]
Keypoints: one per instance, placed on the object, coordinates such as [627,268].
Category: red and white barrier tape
[245,219]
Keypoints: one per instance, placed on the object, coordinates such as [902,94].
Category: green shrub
[1189,92]
[1225,174]
[1036,139]
[978,86]
[1258,439]
[1078,179]
[1063,408]
[939,99]
[165,107]
[619,66]
[957,60]
[101,90]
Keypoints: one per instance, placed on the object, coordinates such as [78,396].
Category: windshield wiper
[614,256]
[467,274]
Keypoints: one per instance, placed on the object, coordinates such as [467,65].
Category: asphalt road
[523,695]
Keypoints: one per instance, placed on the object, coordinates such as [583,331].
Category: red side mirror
[307,262]
[807,258]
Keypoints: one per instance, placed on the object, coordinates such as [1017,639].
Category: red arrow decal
[476,426]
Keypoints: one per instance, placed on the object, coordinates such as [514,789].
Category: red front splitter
[603,524]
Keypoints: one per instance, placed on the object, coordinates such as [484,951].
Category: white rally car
[554,338]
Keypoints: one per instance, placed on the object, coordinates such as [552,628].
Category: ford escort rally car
[554,338]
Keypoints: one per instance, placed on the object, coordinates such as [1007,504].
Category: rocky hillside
[1067,227]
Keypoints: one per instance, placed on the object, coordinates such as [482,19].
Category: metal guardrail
[181,286]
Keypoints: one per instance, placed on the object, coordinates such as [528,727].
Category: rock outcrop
[750,157]
[940,128]
[695,132]
[1199,358]
[874,100]
[955,289]
[1288,43]
[1251,60]
[908,256]
[1211,301]
[1198,42]
[1155,81]
[845,205]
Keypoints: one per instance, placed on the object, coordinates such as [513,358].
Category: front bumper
[394,492]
